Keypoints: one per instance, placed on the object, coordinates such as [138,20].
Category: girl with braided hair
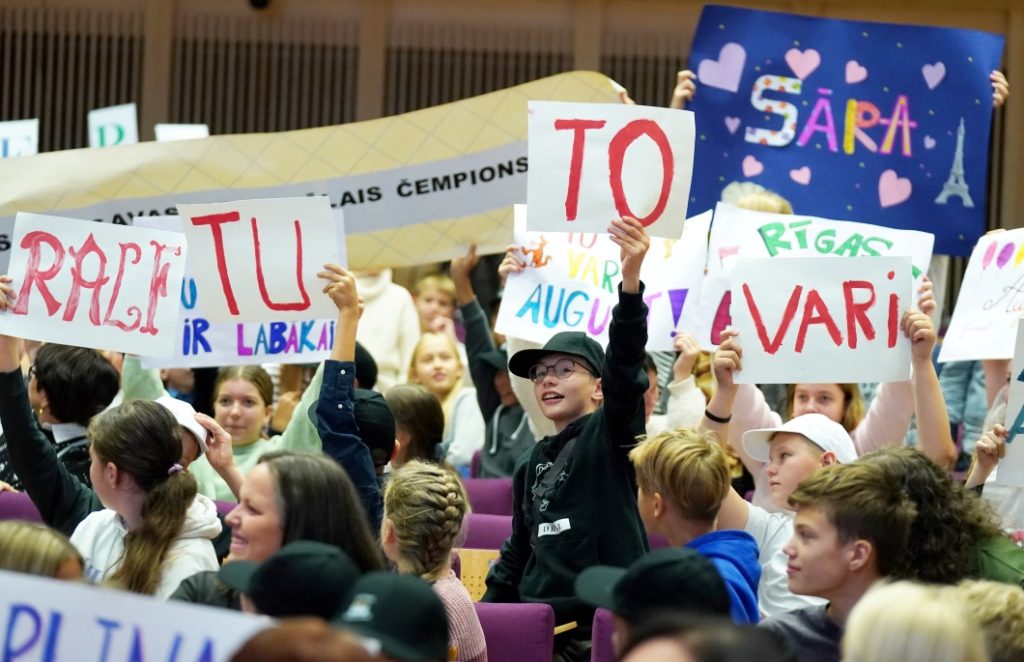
[424,507]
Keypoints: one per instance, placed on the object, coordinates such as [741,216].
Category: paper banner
[48,619]
[740,233]
[201,343]
[572,280]
[170,132]
[19,138]
[594,162]
[115,125]
[991,300]
[415,188]
[812,319]
[256,260]
[888,124]
[95,285]
[1010,470]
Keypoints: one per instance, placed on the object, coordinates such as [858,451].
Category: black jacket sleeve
[478,342]
[505,575]
[623,380]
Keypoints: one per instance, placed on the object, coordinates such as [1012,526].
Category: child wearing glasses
[575,492]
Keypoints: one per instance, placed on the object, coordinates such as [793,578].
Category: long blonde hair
[34,549]
[448,401]
[425,504]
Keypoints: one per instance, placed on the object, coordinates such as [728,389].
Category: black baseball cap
[680,579]
[576,343]
[401,612]
[366,367]
[376,423]
[303,578]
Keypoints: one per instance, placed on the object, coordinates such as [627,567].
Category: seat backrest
[490,496]
[519,631]
[474,564]
[17,505]
[487,531]
[601,638]
[224,507]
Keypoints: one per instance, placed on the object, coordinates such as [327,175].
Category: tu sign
[590,163]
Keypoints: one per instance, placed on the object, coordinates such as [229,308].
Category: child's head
[419,423]
[437,366]
[424,505]
[999,609]
[35,549]
[840,402]
[300,496]
[910,621]
[376,426]
[653,393]
[681,473]
[794,450]
[950,521]
[243,399]
[566,376]
[767,201]
[136,452]
[851,525]
[435,297]
[71,384]
[498,359]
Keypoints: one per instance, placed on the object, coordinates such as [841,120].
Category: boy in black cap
[508,433]
[575,493]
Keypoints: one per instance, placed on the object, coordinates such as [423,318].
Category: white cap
[186,417]
[818,429]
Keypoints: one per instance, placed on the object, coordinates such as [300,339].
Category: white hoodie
[99,538]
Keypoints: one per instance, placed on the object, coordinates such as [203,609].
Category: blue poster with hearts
[871,122]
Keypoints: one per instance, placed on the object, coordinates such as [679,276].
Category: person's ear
[658,505]
[828,459]
[394,453]
[387,532]
[861,553]
[598,394]
[113,476]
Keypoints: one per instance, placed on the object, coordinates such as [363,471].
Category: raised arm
[478,333]
[987,452]
[686,402]
[932,421]
[684,91]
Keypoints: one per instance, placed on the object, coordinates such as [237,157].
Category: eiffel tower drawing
[956,185]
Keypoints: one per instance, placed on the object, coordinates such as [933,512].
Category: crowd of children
[850,545]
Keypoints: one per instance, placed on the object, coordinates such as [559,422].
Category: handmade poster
[1010,470]
[202,343]
[593,162]
[95,285]
[170,132]
[62,621]
[888,124]
[115,125]
[571,283]
[991,301]
[19,138]
[740,233]
[416,187]
[257,260]
[814,319]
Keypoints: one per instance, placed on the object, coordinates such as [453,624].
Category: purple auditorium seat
[516,632]
[489,496]
[601,639]
[224,507]
[487,531]
[17,505]
[474,465]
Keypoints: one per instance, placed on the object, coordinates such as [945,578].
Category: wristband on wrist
[717,419]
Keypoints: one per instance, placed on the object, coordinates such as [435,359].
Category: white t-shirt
[772,531]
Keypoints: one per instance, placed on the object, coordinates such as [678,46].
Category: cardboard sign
[572,283]
[594,162]
[170,132]
[256,260]
[886,123]
[740,234]
[991,300]
[201,343]
[19,138]
[1010,470]
[95,285]
[822,319]
[416,187]
[50,620]
[115,125]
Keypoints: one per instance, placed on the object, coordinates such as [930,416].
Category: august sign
[887,123]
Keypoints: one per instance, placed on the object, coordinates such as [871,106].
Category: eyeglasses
[562,369]
[31,371]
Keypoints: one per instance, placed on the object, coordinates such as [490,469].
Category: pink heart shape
[732,123]
[803,63]
[855,73]
[929,142]
[893,189]
[933,74]
[752,167]
[725,72]
[801,175]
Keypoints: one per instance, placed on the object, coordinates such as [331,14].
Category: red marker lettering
[215,221]
[579,128]
[773,345]
[90,247]
[816,312]
[616,154]
[857,311]
[299,305]
[33,241]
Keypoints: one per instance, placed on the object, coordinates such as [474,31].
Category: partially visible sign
[19,138]
[170,132]
[114,125]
